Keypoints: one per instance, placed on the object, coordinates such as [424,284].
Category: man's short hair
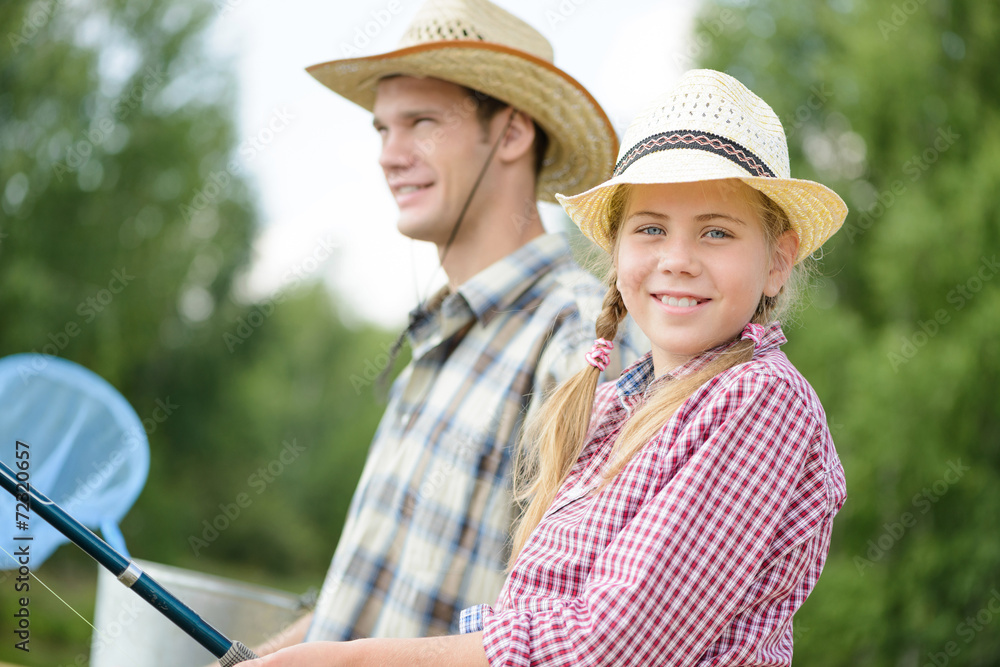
[487,107]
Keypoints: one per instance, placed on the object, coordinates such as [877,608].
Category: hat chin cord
[475,186]
[421,313]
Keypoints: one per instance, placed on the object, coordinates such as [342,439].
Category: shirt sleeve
[565,356]
[471,618]
[668,584]
[562,358]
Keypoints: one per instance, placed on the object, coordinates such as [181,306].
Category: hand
[451,651]
[316,654]
[288,636]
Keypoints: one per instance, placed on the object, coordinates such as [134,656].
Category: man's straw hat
[711,127]
[476,44]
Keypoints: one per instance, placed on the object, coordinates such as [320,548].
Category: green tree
[896,105]
[125,223]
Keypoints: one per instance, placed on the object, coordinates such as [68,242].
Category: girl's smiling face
[693,261]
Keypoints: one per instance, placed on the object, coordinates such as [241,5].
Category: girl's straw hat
[476,44]
[710,127]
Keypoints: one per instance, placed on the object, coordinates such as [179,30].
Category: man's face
[433,147]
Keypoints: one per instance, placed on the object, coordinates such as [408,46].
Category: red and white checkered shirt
[700,550]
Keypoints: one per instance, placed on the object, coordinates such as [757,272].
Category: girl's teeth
[408,188]
[682,302]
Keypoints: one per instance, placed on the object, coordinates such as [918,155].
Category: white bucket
[130,632]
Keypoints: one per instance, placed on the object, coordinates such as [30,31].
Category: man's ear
[520,137]
[782,261]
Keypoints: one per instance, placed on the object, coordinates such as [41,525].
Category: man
[476,125]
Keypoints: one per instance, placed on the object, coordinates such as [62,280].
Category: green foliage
[116,164]
[895,105]
[286,427]
[125,223]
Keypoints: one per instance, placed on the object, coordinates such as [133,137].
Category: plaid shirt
[700,550]
[428,529]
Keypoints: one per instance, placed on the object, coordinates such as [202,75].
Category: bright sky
[314,164]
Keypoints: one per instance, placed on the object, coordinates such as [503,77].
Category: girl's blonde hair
[555,436]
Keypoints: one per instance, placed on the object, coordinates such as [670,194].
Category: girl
[682,514]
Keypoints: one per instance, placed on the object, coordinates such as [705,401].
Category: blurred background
[186,212]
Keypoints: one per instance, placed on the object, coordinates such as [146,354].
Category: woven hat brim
[582,141]
[815,211]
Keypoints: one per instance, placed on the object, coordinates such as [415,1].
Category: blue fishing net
[87,451]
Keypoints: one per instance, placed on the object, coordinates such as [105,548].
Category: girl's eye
[651,230]
[717,233]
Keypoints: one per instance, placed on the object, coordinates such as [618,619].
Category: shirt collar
[499,285]
[638,377]
[489,292]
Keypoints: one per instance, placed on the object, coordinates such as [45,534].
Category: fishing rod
[228,652]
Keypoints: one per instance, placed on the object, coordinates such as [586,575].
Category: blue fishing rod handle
[236,654]
[181,615]
[55,516]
